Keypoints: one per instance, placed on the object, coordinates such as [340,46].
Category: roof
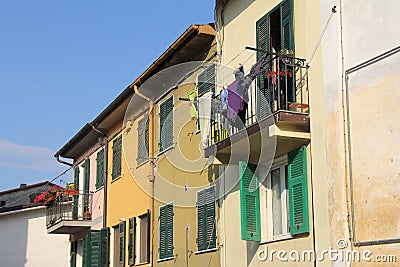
[25,187]
[190,46]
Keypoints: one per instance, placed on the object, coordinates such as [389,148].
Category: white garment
[204,118]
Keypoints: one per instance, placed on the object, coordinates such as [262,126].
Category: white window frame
[267,218]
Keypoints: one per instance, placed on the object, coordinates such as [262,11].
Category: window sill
[142,163]
[277,239]
[165,150]
[98,189]
[166,259]
[141,263]
[205,251]
[116,179]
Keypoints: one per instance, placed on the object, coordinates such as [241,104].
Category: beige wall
[240,19]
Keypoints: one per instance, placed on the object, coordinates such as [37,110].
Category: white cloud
[27,157]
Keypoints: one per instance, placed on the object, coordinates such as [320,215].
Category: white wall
[25,242]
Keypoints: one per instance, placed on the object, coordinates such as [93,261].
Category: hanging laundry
[238,95]
[204,117]
[224,101]
[193,105]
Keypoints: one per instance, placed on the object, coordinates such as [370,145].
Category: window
[139,239]
[205,83]
[274,32]
[166,219]
[131,241]
[277,200]
[86,179]
[206,225]
[96,246]
[3,203]
[143,141]
[76,198]
[284,198]
[117,154]
[121,244]
[166,123]
[100,169]
[144,238]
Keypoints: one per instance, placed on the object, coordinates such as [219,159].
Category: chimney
[23,185]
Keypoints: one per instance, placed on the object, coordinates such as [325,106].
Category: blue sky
[63,62]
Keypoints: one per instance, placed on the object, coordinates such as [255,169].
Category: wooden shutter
[249,202]
[206,226]
[166,123]
[104,246]
[262,42]
[131,241]
[73,252]
[86,179]
[298,191]
[100,169]
[117,154]
[143,140]
[86,251]
[76,198]
[287,36]
[122,244]
[166,249]
[95,248]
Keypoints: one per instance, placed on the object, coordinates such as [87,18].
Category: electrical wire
[37,190]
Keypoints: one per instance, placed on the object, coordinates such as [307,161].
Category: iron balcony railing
[282,86]
[69,208]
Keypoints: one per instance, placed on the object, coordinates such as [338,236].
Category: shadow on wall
[236,9]
[251,247]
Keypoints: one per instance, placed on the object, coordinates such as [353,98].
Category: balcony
[69,214]
[275,121]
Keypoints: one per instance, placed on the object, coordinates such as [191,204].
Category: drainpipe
[150,175]
[63,162]
[105,160]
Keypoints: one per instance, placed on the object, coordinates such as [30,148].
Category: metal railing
[283,86]
[69,208]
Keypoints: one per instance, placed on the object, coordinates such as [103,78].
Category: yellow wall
[125,198]
[176,168]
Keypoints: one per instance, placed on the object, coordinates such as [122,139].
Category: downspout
[105,160]
[150,175]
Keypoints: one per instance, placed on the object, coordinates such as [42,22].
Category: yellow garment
[193,111]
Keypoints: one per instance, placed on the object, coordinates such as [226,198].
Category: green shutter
[298,191]
[166,249]
[100,169]
[166,123]
[143,141]
[287,36]
[73,254]
[87,250]
[249,202]
[76,198]
[95,248]
[206,232]
[105,246]
[131,241]
[117,154]
[122,227]
[262,42]
[86,179]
